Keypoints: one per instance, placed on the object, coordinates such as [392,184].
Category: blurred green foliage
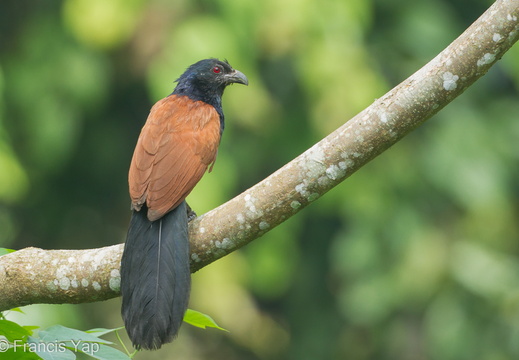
[416,256]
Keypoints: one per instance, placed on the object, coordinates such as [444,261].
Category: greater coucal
[176,146]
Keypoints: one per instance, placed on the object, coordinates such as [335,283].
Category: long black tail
[155,277]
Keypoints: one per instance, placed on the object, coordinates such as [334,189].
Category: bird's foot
[191,214]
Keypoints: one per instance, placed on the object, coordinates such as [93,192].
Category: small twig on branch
[72,276]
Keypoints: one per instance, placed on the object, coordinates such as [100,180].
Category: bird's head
[207,79]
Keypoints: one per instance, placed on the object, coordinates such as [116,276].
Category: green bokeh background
[416,256]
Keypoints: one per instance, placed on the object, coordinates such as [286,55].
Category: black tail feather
[155,277]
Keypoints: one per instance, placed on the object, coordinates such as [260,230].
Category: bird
[177,145]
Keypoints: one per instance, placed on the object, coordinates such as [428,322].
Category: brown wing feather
[176,145]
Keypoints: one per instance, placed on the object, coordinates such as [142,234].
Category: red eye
[217,69]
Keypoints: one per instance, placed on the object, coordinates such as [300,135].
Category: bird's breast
[176,146]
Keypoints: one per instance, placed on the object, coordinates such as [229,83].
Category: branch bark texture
[72,276]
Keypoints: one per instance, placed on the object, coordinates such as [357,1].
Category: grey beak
[237,77]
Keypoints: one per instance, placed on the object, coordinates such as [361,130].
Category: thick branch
[72,276]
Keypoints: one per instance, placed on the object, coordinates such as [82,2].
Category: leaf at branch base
[4,251]
[17,310]
[201,320]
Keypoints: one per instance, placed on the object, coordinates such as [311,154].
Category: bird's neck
[212,97]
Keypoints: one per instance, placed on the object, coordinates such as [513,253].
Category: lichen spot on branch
[115,280]
[450,81]
[486,59]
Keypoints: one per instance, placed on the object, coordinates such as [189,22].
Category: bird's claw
[191,214]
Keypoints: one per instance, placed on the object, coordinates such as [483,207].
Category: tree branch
[72,276]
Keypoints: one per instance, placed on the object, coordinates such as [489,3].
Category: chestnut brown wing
[176,145]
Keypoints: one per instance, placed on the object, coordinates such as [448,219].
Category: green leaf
[4,251]
[64,334]
[53,350]
[101,352]
[12,331]
[19,354]
[100,331]
[200,320]
[61,343]
[30,328]
[17,310]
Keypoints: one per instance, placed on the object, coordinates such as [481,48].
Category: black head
[206,80]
